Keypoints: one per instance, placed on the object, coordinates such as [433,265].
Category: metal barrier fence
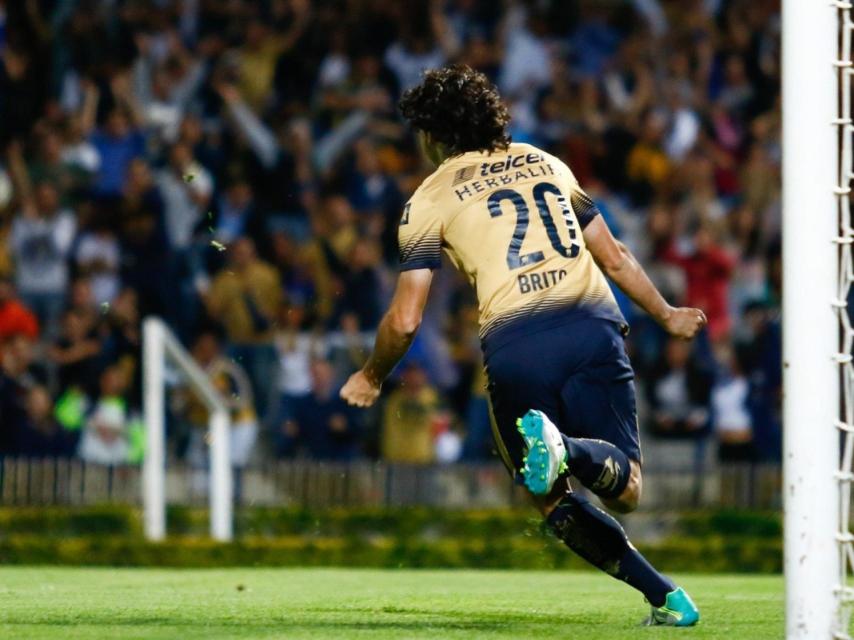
[313,484]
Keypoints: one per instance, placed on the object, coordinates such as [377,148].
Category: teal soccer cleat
[678,611]
[545,457]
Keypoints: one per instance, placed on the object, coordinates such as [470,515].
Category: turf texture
[71,603]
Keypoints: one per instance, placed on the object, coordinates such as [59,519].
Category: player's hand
[360,391]
[685,322]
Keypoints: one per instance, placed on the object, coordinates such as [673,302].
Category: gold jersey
[512,221]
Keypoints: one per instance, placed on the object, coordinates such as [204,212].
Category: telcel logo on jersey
[510,162]
[492,175]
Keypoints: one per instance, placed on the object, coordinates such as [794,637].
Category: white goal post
[160,344]
[817,336]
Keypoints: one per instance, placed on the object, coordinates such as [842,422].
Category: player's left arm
[618,263]
[394,336]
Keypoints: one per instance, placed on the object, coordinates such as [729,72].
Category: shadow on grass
[388,618]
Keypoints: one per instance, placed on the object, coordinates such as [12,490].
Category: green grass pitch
[72,603]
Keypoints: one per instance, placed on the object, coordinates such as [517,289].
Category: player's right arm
[420,244]
[618,263]
[394,336]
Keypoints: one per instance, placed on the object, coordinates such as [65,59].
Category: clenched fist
[360,391]
[685,322]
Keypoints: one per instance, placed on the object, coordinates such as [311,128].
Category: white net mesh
[845,474]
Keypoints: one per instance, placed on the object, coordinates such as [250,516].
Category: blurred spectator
[42,435]
[105,440]
[186,188]
[54,167]
[256,59]
[470,398]
[732,421]
[163,82]
[371,191]
[349,347]
[42,236]
[232,382]
[78,153]
[304,278]
[760,348]
[425,42]
[97,257]
[144,245]
[15,318]
[117,144]
[296,350]
[234,215]
[120,330]
[449,442]
[106,436]
[16,379]
[75,353]
[708,268]
[410,419]
[648,166]
[526,64]
[358,281]
[478,444]
[246,296]
[679,393]
[321,425]
[82,301]
[375,196]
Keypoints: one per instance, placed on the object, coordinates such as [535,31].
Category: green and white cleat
[678,611]
[545,456]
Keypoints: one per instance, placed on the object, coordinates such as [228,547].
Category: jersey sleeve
[582,205]
[584,208]
[419,236]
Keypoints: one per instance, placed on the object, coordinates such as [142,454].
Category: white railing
[160,345]
[311,484]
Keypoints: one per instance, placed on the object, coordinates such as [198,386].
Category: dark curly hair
[458,107]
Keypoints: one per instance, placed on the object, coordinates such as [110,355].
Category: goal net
[844,133]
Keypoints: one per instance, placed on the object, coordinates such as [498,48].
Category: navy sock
[599,465]
[636,571]
[599,539]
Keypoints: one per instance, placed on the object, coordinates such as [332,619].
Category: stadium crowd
[238,168]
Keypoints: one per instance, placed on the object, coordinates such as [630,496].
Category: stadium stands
[239,169]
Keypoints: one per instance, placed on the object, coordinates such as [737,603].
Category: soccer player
[515,220]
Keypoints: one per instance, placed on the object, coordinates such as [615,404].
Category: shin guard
[600,540]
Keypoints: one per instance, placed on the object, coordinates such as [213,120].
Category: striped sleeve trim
[424,252]
[583,207]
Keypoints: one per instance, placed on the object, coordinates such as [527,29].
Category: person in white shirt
[104,439]
[41,239]
[186,187]
[98,258]
[732,420]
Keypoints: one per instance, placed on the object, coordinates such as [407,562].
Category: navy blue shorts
[577,373]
